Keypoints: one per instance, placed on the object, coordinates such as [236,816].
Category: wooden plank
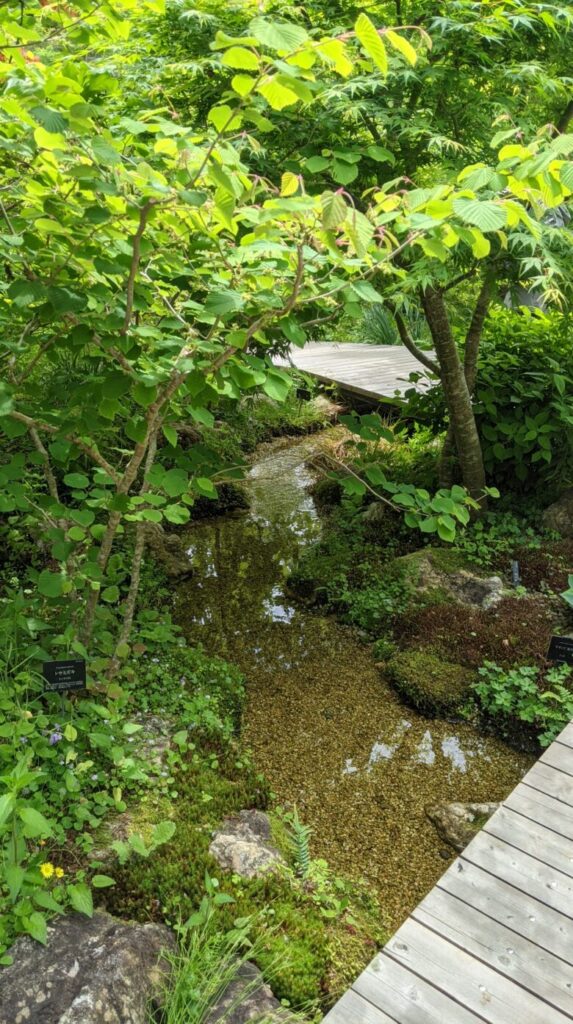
[469,982]
[534,839]
[560,757]
[353,1009]
[542,808]
[550,781]
[532,876]
[376,371]
[547,928]
[566,736]
[518,959]
[408,998]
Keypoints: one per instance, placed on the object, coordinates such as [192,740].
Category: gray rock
[457,823]
[559,516]
[463,586]
[242,845]
[95,970]
[246,999]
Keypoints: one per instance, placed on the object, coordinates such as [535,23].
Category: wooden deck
[374,371]
[493,941]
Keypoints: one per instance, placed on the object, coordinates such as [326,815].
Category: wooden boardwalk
[493,941]
[374,371]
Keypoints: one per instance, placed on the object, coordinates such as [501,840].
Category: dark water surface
[321,720]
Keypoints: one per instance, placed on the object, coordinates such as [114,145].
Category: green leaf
[315,164]
[110,594]
[277,386]
[371,42]
[277,96]
[50,119]
[381,155]
[102,881]
[36,926]
[243,84]
[24,293]
[344,172]
[163,832]
[81,898]
[334,209]
[360,231]
[402,45]
[77,481]
[240,58]
[104,152]
[175,482]
[14,876]
[35,824]
[486,215]
[170,434]
[279,36]
[224,118]
[220,303]
[177,514]
[50,584]
[7,802]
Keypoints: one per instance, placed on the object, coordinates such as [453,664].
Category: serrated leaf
[343,172]
[163,832]
[334,209]
[35,925]
[240,58]
[360,232]
[485,214]
[220,303]
[371,42]
[243,84]
[224,118]
[277,96]
[402,45]
[289,184]
[280,36]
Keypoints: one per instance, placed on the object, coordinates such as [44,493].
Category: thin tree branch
[409,343]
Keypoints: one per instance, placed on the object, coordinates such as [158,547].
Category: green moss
[432,685]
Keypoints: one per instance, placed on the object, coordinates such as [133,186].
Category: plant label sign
[561,650]
[65,675]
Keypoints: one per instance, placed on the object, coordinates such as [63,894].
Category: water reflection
[322,722]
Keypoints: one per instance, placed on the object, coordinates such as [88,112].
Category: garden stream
[322,722]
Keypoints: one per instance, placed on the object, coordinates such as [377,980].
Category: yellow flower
[47,869]
[59,872]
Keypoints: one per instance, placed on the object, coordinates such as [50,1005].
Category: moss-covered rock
[430,684]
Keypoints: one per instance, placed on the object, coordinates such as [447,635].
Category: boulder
[246,999]
[460,585]
[242,845]
[458,823]
[559,515]
[95,970]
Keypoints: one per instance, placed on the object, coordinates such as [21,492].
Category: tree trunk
[471,351]
[457,394]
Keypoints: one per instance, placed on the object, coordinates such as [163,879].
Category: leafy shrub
[428,682]
[523,400]
[493,540]
[517,630]
[523,693]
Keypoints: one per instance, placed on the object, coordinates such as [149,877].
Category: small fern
[299,839]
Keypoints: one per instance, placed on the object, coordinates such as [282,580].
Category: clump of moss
[434,686]
[516,631]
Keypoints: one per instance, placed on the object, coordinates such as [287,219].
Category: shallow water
[322,722]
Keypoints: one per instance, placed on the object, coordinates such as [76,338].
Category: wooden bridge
[373,371]
[493,941]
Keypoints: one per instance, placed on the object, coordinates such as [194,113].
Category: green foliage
[299,840]
[567,595]
[544,701]
[430,683]
[492,540]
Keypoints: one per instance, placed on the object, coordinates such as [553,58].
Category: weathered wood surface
[374,371]
[493,941]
